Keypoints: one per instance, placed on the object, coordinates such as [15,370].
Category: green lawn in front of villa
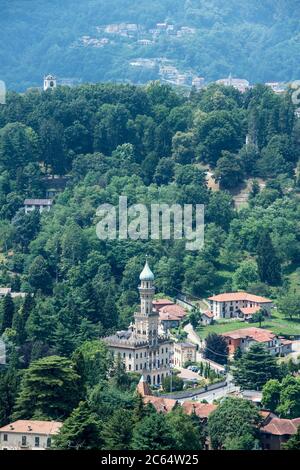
[277,324]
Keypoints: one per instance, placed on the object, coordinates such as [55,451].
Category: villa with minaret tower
[141,347]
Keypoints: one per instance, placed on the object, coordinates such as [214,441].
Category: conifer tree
[269,268]
[8,310]
[117,431]
[255,368]
[49,390]
[82,430]
[153,433]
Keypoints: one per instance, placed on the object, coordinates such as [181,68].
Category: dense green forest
[152,145]
[255,40]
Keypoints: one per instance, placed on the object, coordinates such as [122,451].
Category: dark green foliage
[187,430]
[9,382]
[234,425]
[92,362]
[153,433]
[117,431]
[49,390]
[172,383]
[269,268]
[293,443]
[283,397]
[216,348]
[229,171]
[38,275]
[255,368]
[81,430]
[151,144]
[7,313]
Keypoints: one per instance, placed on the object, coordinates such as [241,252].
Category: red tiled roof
[168,316]
[174,309]
[202,410]
[208,314]
[249,310]
[162,405]
[281,427]
[257,334]
[236,296]
[34,427]
[159,303]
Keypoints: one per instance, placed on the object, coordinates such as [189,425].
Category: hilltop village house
[245,337]
[141,347]
[238,305]
[28,435]
[37,204]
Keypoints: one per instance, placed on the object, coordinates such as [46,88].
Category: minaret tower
[146,321]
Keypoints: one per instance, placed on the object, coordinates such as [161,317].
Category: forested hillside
[152,145]
[255,40]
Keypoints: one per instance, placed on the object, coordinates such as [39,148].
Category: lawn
[277,324]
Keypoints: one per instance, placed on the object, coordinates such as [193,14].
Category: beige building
[28,435]
[141,347]
[183,353]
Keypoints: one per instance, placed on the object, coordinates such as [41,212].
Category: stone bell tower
[146,321]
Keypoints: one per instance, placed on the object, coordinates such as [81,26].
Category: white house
[237,304]
[206,317]
[39,204]
[28,435]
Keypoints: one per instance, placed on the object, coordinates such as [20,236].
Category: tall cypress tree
[8,310]
[269,268]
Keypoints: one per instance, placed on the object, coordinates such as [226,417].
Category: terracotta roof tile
[162,405]
[237,296]
[249,310]
[159,303]
[202,410]
[34,427]
[257,334]
[173,310]
[281,427]
[208,314]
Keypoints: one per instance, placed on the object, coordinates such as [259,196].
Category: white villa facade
[233,304]
[28,435]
